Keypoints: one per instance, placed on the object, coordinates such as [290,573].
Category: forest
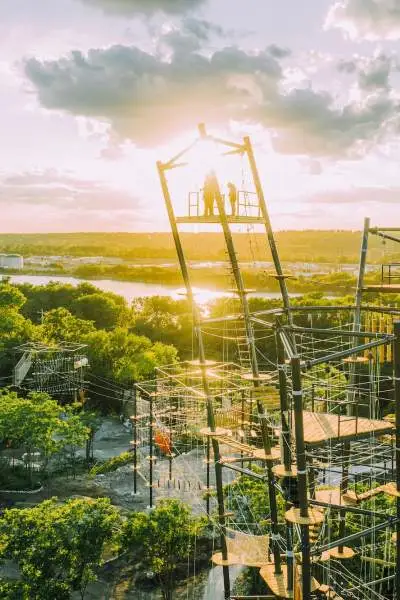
[62,547]
[334,246]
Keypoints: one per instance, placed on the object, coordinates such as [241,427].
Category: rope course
[302,401]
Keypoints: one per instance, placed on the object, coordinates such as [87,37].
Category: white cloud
[149,99]
[366,19]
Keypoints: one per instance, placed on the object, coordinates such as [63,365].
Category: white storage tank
[13,261]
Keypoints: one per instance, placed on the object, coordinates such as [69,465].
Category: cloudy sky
[94,92]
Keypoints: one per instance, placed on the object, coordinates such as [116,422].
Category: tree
[250,500]
[162,539]
[57,547]
[38,423]
[11,297]
[60,325]
[99,308]
[125,356]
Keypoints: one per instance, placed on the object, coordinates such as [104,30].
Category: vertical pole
[203,369]
[287,453]
[254,367]
[396,365]
[268,227]
[208,476]
[357,313]
[135,440]
[151,453]
[344,484]
[301,475]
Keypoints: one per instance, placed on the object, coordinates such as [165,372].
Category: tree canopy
[57,547]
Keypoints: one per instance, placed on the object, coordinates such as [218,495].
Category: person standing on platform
[209,195]
[232,192]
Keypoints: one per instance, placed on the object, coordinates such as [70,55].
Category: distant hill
[302,246]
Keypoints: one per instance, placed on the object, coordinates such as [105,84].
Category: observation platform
[320,428]
[216,219]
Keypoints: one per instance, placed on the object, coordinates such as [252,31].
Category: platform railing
[246,204]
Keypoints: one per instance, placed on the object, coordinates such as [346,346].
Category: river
[136,289]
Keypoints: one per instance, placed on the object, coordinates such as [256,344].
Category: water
[136,289]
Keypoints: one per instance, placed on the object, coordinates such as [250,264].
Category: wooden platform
[332,496]
[383,288]
[320,428]
[278,583]
[216,219]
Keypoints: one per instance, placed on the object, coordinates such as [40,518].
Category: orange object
[163,441]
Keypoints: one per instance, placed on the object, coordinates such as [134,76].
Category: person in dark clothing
[232,192]
[209,195]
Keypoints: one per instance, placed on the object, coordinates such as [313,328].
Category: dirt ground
[188,480]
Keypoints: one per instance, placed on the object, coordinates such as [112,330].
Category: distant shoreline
[218,279]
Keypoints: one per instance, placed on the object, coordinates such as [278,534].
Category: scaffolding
[58,370]
[320,418]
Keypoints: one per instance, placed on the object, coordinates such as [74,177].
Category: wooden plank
[323,427]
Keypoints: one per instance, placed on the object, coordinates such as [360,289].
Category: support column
[357,313]
[396,375]
[287,452]
[135,440]
[203,369]
[301,476]
[268,227]
[344,484]
[151,455]
[254,367]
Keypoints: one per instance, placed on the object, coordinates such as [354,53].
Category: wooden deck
[320,428]
[216,219]
[383,288]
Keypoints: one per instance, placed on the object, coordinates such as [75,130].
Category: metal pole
[151,457]
[344,484]
[301,475]
[286,443]
[357,312]
[208,476]
[396,374]
[135,439]
[203,369]
[254,367]
[268,227]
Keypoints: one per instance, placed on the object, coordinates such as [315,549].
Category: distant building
[11,261]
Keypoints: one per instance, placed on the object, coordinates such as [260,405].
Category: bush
[112,464]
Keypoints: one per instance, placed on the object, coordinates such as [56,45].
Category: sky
[94,92]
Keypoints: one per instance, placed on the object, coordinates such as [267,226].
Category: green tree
[38,424]
[162,540]
[57,547]
[100,309]
[249,500]
[125,356]
[11,297]
[60,325]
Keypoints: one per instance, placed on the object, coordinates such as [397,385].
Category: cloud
[150,98]
[373,73]
[366,19]
[309,122]
[56,190]
[146,7]
[358,196]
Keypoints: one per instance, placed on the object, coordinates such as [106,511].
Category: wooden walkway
[320,428]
